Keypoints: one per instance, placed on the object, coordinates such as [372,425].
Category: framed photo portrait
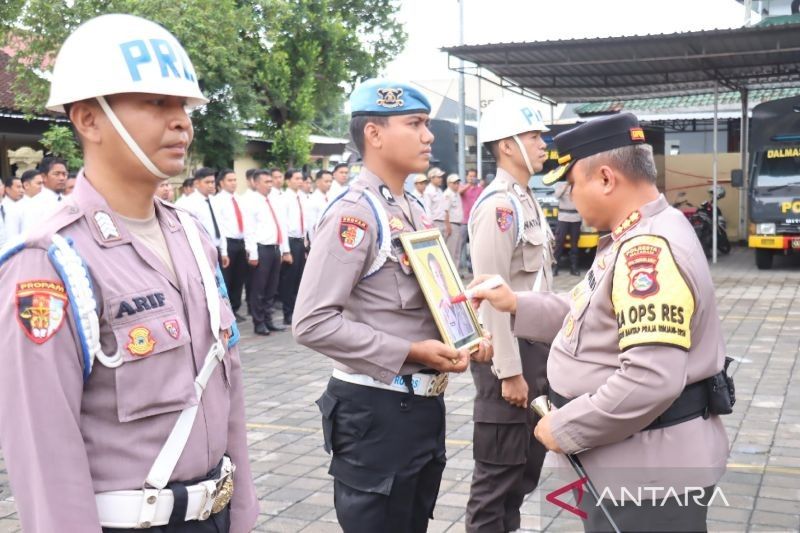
[437,276]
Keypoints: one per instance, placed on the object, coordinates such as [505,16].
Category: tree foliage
[276,66]
[61,142]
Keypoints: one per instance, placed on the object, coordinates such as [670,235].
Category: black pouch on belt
[721,391]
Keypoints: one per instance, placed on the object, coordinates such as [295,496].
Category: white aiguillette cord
[168,457]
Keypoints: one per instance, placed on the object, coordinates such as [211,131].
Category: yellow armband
[651,299]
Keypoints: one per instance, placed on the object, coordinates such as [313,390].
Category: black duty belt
[692,403]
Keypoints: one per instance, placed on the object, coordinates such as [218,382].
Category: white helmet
[508,118]
[114,54]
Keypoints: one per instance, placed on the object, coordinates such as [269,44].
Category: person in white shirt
[232,227]
[420,182]
[277,184]
[297,225]
[267,247]
[166,191]
[434,200]
[48,200]
[3,233]
[10,206]
[455,217]
[187,188]
[341,173]
[319,199]
[199,204]
[32,183]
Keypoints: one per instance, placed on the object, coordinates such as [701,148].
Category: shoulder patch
[41,308]
[504,217]
[351,232]
[652,300]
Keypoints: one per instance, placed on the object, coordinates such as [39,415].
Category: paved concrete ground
[761,319]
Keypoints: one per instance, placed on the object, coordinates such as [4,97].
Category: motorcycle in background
[702,219]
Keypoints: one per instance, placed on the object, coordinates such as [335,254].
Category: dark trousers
[508,459]
[573,229]
[264,283]
[388,456]
[648,516]
[290,276]
[235,275]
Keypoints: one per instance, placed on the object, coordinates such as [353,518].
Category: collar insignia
[633,219]
[387,194]
[108,230]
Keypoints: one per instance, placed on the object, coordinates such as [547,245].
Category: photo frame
[439,280]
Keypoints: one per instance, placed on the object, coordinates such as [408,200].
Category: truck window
[778,167]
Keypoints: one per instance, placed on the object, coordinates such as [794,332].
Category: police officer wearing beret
[383,412]
[634,344]
[121,398]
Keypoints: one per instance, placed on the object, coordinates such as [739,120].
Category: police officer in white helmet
[509,236]
[121,397]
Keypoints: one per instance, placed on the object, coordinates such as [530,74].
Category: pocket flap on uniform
[327,403]
[531,257]
[361,478]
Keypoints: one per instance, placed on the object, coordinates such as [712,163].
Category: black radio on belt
[712,396]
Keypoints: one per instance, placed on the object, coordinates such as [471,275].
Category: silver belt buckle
[438,385]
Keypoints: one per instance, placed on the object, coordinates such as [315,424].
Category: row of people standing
[262,235]
[32,197]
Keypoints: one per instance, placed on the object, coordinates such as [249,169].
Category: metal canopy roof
[581,70]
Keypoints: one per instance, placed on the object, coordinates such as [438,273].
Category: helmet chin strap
[137,151]
[524,154]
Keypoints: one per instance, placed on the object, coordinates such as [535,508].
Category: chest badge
[40,308]
[142,342]
[173,328]
[504,217]
[351,232]
[396,224]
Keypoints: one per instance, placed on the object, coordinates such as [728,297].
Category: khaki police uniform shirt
[641,326]
[454,206]
[366,324]
[65,440]
[494,250]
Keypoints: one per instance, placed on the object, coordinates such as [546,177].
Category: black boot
[573,269]
[261,329]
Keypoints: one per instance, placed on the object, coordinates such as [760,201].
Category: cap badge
[637,135]
[390,98]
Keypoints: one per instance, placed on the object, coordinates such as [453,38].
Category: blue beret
[379,96]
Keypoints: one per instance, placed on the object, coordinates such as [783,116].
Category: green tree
[308,53]
[61,142]
[279,66]
[210,31]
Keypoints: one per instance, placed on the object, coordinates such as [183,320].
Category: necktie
[213,218]
[59,197]
[326,198]
[238,212]
[275,219]
[3,212]
[300,207]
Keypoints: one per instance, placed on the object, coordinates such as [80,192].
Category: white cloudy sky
[431,24]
